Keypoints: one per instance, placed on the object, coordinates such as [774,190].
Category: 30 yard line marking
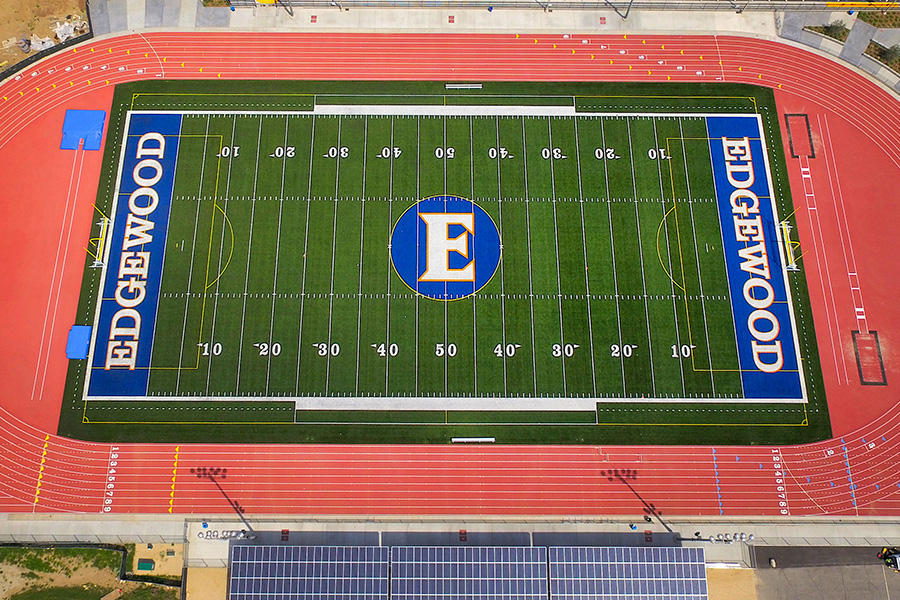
[312,137]
[287,120]
[562,334]
[362,234]
[587,279]
[337,179]
[637,215]
[530,279]
[612,245]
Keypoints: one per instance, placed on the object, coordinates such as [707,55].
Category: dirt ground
[15,578]
[731,584]
[165,566]
[21,18]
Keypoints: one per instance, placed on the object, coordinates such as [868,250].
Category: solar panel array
[466,573]
[309,572]
[472,573]
[627,573]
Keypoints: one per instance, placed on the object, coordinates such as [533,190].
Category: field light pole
[650,509]
[214,475]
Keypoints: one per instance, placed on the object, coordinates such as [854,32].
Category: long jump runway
[853,474]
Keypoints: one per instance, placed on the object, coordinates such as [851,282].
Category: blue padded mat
[84,125]
[79,341]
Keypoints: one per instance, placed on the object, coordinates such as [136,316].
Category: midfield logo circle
[445,247]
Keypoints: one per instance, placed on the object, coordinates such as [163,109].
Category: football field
[469,258]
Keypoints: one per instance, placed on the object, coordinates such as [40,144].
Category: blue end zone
[127,315]
[79,342]
[84,125]
[756,277]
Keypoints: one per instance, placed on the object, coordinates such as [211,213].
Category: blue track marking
[81,125]
[757,280]
[130,291]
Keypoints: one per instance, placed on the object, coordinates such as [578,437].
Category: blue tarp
[79,341]
[84,125]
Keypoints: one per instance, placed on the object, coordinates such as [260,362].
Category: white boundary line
[522,403]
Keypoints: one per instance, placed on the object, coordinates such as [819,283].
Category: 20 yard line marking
[237,383]
[637,215]
[287,120]
[612,245]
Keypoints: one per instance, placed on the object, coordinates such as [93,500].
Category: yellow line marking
[174,475]
[37,490]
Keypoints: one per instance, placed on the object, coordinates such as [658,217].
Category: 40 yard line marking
[387,334]
[502,277]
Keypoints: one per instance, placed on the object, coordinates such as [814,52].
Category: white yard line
[687,179]
[312,145]
[562,333]
[528,245]
[337,179]
[665,224]
[502,278]
[637,216]
[587,279]
[387,334]
[612,246]
[362,233]
[284,157]
[249,255]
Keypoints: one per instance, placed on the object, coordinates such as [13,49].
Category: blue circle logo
[445,247]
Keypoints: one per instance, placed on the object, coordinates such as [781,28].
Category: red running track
[855,124]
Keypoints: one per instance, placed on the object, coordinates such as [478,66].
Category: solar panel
[578,573]
[309,572]
[474,573]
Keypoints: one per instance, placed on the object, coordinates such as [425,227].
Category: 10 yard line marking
[668,248]
[312,138]
[212,329]
[687,179]
[237,383]
[187,300]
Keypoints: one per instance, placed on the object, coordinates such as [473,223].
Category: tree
[834,29]
[889,55]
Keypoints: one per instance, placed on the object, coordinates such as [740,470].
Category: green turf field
[281,315]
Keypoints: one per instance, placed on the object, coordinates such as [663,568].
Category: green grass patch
[836,30]
[882,20]
[164,411]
